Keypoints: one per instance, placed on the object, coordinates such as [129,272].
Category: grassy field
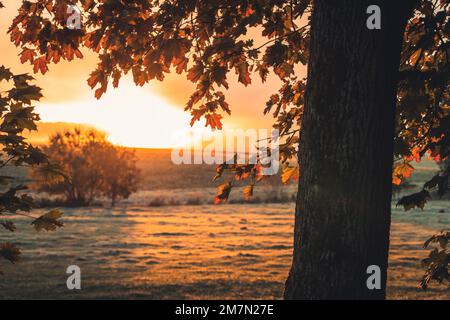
[168,242]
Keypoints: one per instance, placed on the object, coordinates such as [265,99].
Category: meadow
[168,241]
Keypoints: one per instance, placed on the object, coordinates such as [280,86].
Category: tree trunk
[342,215]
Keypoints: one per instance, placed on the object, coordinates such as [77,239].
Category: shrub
[85,166]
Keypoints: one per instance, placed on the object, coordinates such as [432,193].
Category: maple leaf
[290,173]
[213,120]
[442,239]
[40,64]
[116,75]
[181,64]
[248,192]
[219,76]
[27,55]
[155,70]
[87,4]
[95,77]
[244,74]
[5,73]
[219,170]
[48,221]
[415,155]
[284,70]
[139,76]
[439,181]
[99,92]
[300,7]
[223,192]
[415,57]
[196,115]
[401,171]
[195,72]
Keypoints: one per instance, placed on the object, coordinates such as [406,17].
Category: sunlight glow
[131,116]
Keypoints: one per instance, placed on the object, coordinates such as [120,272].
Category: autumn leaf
[219,170]
[284,70]
[290,173]
[9,252]
[87,4]
[196,115]
[439,181]
[415,155]
[442,239]
[259,173]
[27,55]
[48,221]
[223,192]
[415,57]
[437,260]
[5,73]
[241,173]
[181,64]
[248,192]
[219,76]
[40,64]
[244,74]
[213,120]
[401,171]
[95,77]
[195,72]
[99,92]
[300,7]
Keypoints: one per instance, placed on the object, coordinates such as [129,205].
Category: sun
[131,116]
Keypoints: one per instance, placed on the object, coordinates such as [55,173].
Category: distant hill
[46,129]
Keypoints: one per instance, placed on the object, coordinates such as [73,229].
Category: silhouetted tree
[91,167]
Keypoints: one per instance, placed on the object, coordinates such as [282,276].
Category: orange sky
[151,116]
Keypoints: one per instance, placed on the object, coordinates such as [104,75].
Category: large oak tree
[370,96]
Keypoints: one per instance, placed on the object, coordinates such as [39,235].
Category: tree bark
[342,217]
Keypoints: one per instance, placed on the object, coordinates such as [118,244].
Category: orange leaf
[27,55]
[213,120]
[40,65]
[195,72]
[196,115]
[401,171]
[244,74]
[290,173]
[95,77]
[248,192]
[223,192]
[99,92]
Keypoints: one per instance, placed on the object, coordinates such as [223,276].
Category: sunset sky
[151,116]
